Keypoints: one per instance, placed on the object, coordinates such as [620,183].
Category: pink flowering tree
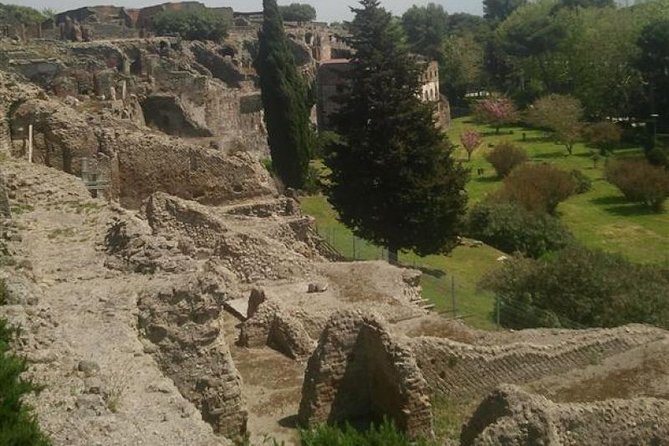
[496,111]
[471,140]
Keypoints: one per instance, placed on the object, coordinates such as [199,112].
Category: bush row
[579,287]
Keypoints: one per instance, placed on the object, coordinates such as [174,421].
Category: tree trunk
[393,255]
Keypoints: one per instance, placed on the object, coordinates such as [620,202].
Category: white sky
[328,10]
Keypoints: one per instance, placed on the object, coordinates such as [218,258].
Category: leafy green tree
[531,36]
[560,114]
[511,228]
[499,10]
[461,23]
[284,97]
[298,12]
[394,180]
[653,63]
[461,70]
[578,288]
[196,24]
[20,14]
[426,28]
[588,3]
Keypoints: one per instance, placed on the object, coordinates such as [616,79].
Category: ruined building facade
[331,81]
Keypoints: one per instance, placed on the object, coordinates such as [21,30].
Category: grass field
[600,218]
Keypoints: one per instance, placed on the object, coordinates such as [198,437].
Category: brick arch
[358,373]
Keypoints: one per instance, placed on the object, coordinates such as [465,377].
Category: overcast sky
[328,10]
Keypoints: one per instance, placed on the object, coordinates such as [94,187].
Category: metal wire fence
[442,290]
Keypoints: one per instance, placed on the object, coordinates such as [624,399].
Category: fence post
[455,307]
[353,237]
[30,143]
[499,325]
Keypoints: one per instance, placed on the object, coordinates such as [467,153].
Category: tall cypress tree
[394,180]
[284,100]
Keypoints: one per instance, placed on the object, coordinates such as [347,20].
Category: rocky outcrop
[512,417]
[152,163]
[360,372]
[184,324]
[454,369]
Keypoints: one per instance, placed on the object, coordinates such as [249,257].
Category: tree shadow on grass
[434,272]
[552,155]
[486,180]
[609,200]
[620,206]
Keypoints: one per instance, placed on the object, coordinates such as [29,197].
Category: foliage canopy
[394,180]
[284,97]
[196,24]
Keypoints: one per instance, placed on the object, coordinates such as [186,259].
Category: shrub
[196,24]
[605,136]
[657,156]
[511,229]
[582,182]
[537,187]
[640,182]
[384,434]
[17,424]
[579,287]
[312,183]
[505,157]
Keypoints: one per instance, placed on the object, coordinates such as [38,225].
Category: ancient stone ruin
[169,293]
[359,373]
[510,416]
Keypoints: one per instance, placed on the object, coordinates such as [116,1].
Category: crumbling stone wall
[270,324]
[62,137]
[455,369]
[5,133]
[179,235]
[358,371]
[151,163]
[183,323]
[510,416]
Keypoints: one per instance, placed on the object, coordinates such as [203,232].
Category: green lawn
[600,218]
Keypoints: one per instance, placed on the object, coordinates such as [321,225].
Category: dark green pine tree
[394,180]
[284,100]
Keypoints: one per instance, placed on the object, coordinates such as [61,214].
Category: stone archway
[360,374]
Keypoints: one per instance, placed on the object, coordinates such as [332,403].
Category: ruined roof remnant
[359,372]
